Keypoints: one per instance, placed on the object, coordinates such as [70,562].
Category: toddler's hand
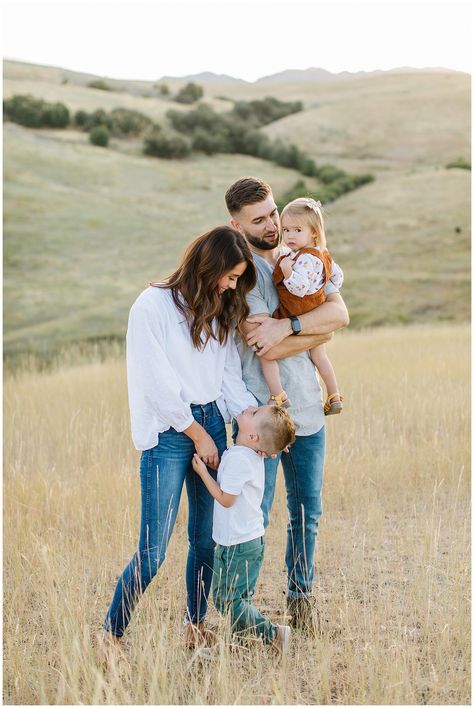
[286,265]
[198,465]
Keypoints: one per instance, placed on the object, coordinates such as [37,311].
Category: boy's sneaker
[282,639]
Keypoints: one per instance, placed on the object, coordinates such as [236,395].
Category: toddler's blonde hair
[311,211]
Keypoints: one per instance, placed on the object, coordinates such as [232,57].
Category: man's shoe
[302,615]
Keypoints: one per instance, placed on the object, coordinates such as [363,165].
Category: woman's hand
[204,444]
[207,451]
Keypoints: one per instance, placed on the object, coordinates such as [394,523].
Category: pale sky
[246,39]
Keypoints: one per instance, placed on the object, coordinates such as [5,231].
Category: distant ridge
[318,74]
[17,69]
[206,77]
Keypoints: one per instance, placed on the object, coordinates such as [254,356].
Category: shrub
[159,144]
[127,122]
[99,117]
[25,110]
[267,110]
[329,173]
[35,113]
[99,136]
[460,164]
[81,119]
[285,155]
[308,167]
[299,189]
[207,142]
[201,117]
[190,93]
[99,84]
[56,115]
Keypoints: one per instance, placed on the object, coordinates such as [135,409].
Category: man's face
[259,223]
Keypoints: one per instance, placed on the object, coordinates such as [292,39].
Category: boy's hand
[264,454]
[198,465]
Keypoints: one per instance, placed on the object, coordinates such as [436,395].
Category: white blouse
[307,276]
[166,373]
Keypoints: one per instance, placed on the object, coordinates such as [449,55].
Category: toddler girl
[300,278]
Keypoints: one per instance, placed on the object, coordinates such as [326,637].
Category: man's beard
[260,243]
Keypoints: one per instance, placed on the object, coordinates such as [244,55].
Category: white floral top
[307,276]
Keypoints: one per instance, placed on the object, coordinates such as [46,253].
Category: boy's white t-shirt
[241,472]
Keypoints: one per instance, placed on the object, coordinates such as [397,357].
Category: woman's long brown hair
[194,284]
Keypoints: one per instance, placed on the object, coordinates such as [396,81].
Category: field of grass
[392,563]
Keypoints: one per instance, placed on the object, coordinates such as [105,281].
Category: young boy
[238,519]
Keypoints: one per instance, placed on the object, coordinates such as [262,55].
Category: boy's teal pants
[236,570]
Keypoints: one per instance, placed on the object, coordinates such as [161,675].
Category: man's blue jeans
[163,470]
[303,470]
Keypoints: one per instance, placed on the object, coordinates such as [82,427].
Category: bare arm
[295,345]
[319,323]
[213,488]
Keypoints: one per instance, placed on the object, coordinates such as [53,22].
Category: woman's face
[229,279]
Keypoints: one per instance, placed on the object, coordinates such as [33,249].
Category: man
[254,213]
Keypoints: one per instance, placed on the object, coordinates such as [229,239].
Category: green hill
[86,228]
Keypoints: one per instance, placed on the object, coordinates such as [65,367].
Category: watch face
[295,325]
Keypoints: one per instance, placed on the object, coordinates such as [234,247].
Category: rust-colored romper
[292,304]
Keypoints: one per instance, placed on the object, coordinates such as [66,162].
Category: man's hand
[267,333]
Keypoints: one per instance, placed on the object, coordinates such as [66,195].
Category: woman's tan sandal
[281,400]
[332,407]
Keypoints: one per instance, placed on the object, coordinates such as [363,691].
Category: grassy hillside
[86,228]
[392,563]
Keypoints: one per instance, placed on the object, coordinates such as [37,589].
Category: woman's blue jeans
[163,470]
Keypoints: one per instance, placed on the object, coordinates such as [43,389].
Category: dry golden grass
[393,557]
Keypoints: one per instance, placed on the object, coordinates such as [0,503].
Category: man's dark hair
[248,190]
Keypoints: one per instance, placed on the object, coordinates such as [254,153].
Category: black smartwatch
[295,324]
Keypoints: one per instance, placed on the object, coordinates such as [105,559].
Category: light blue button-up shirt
[298,374]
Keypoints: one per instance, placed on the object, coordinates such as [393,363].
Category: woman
[184,381]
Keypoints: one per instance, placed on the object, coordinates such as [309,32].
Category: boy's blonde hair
[276,431]
[311,210]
